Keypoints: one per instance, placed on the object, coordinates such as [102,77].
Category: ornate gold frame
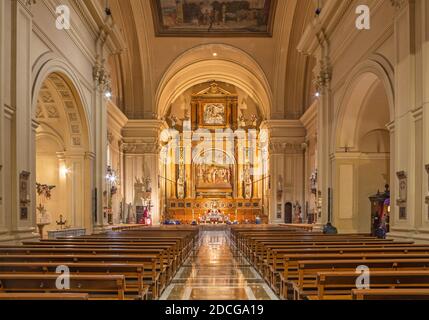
[161,32]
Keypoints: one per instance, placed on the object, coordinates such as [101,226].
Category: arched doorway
[288,213]
[362,163]
[63,193]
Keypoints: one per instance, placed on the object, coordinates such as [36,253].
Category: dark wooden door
[288,212]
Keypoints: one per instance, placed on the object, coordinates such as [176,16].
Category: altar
[213,163]
[214,216]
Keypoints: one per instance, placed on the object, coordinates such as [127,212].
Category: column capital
[34,124]
[90,156]
[391,126]
[26,4]
[286,147]
[101,76]
[398,4]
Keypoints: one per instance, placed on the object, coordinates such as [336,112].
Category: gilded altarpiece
[213,171]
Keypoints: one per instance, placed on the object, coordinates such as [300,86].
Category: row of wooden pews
[307,265]
[135,263]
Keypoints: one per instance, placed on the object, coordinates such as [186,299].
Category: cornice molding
[359,156]
[310,115]
[286,147]
[116,115]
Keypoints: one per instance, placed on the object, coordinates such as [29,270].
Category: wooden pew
[289,271]
[339,285]
[135,274]
[391,294]
[150,256]
[308,270]
[44,296]
[153,278]
[96,286]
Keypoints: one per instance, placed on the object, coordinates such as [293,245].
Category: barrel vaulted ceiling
[139,68]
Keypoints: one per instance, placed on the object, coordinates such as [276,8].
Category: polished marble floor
[217,272]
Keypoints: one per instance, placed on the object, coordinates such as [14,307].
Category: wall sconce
[64,171]
[108,94]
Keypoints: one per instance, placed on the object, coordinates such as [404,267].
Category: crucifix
[61,223]
[346,149]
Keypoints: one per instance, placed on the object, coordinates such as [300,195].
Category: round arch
[62,112]
[49,64]
[362,80]
[214,62]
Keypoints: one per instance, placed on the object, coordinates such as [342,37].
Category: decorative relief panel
[76,141]
[39,112]
[72,117]
[140,148]
[24,194]
[402,198]
[47,97]
[427,196]
[47,107]
[52,111]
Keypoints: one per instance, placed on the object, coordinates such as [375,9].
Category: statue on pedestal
[298,211]
[247,182]
[241,121]
[181,185]
[138,199]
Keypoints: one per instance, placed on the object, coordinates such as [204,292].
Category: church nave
[217,272]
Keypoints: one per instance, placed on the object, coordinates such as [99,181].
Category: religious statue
[313,181]
[242,121]
[247,182]
[254,119]
[174,120]
[148,185]
[129,213]
[280,183]
[298,211]
[187,115]
[181,185]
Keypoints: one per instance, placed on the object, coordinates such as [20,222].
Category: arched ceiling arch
[57,110]
[366,110]
[198,65]
[148,57]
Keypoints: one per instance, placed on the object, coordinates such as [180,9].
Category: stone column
[286,165]
[421,118]
[142,152]
[100,142]
[324,124]
[2,71]
[89,195]
[22,138]
[411,68]
[277,184]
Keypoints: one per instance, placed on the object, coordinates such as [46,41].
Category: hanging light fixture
[107,8]
[319,7]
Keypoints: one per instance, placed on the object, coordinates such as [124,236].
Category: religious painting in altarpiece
[214,108]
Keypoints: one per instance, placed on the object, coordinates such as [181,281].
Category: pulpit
[380,213]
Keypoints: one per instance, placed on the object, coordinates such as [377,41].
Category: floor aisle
[216,273]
